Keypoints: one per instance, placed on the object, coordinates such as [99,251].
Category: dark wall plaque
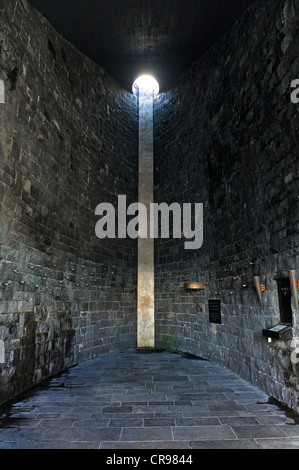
[215,311]
[284,297]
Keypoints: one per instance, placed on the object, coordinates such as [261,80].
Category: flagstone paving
[147,399]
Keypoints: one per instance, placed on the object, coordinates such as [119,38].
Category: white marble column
[145,299]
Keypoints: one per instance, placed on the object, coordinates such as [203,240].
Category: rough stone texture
[68,141]
[226,135]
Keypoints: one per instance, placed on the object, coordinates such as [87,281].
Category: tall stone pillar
[145,289]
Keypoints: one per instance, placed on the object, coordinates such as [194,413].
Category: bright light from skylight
[146,82]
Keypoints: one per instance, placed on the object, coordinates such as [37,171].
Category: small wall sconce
[195,285]
[260,288]
[294,285]
[192,286]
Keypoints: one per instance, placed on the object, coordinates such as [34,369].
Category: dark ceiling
[130,37]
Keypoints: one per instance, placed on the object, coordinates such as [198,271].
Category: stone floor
[137,399]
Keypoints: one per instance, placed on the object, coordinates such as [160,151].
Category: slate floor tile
[125,423]
[197,421]
[258,407]
[19,423]
[7,445]
[159,422]
[208,413]
[238,420]
[226,444]
[195,433]
[55,423]
[147,434]
[17,434]
[73,415]
[152,408]
[81,434]
[53,409]
[274,419]
[167,415]
[53,445]
[290,430]
[278,443]
[187,408]
[243,432]
[87,423]
[146,445]
[123,415]
[226,407]
[117,409]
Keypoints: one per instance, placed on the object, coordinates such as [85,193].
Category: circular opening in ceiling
[146,82]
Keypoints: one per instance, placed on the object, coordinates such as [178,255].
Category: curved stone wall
[226,135]
[68,141]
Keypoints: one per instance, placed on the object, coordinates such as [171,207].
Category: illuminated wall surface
[145,287]
[225,134]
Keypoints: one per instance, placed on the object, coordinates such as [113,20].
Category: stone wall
[68,141]
[226,135]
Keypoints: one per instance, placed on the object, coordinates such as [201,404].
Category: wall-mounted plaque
[278,330]
[278,327]
[215,311]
